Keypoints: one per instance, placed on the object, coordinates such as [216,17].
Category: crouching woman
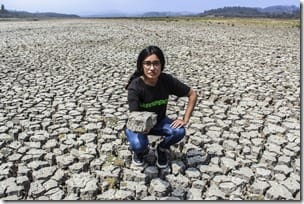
[148,90]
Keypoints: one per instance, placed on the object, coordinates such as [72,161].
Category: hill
[166,14]
[281,9]
[268,12]
[23,14]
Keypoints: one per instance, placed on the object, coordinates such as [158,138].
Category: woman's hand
[178,123]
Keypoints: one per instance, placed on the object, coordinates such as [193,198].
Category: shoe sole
[137,164]
[157,164]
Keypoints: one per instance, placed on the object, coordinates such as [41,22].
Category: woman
[148,90]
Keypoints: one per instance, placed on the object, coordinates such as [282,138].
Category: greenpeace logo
[154,103]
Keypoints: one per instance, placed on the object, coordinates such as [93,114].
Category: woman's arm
[133,100]
[192,97]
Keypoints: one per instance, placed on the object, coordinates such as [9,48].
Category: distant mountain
[23,14]
[280,9]
[106,14]
[146,14]
[268,12]
[166,14]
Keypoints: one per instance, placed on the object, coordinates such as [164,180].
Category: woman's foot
[138,159]
[161,157]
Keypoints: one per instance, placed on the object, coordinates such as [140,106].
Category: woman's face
[152,67]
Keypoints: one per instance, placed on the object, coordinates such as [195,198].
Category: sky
[88,7]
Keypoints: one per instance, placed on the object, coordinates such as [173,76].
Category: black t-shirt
[142,97]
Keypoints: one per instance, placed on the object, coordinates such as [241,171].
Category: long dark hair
[142,56]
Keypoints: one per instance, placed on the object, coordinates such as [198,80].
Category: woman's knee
[138,142]
[139,146]
[179,132]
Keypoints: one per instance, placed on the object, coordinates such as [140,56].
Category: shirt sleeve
[178,88]
[133,99]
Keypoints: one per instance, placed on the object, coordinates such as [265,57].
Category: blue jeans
[139,142]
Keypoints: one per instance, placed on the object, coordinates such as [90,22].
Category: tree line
[273,12]
[4,13]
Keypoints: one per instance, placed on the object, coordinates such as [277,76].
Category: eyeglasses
[148,64]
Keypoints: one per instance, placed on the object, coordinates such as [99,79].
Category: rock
[71,196]
[96,164]
[211,169]
[88,137]
[250,134]
[215,149]
[279,177]
[199,184]
[50,184]
[169,198]
[40,136]
[271,128]
[124,195]
[179,193]
[129,175]
[228,164]
[23,170]
[214,191]
[177,167]
[36,165]
[244,173]
[259,187]
[284,160]
[141,121]
[239,182]
[150,198]
[197,160]
[219,179]
[227,187]
[44,173]
[229,145]
[298,196]
[15,157]
[82,183]
[262,172]
[291,184]
[151,172]
[273,148]
[139,188]
[79,167]
[6,138]
[107,195]
[59,176]
[192,173]
[90,190]
[13,198]
[64,161]
[23,181]
[269,157]
[194,194]
[278,192]
[111,174]
[54,194]
[159,187]
[196,140]
[14,189]
[282,169]
[178,181]
[36,189]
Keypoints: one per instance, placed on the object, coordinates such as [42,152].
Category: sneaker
[161,157]
[138,159]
